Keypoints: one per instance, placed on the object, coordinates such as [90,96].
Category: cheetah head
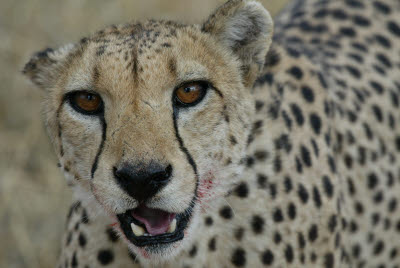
[152,119]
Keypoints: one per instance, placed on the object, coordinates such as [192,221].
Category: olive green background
[33,195]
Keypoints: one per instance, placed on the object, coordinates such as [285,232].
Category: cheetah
[237,142]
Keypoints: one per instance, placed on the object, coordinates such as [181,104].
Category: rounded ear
[245,27]
[44,66]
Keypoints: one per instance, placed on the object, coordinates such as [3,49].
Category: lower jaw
[157,242]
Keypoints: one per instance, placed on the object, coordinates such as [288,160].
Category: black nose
[142,181]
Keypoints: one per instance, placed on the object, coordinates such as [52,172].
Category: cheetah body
[319,180]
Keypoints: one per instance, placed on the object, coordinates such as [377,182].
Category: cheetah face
[151,120]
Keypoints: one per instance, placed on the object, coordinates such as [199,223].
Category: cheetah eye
[191,93]
[86,102]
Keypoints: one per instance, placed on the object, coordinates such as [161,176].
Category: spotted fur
[291,160]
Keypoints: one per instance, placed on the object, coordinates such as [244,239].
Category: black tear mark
[103,138]
[184,149]
[60,129]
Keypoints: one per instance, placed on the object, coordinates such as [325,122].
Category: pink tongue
[156,221]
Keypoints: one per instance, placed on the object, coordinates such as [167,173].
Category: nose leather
[142,181]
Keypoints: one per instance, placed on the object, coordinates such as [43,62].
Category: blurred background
[33,195]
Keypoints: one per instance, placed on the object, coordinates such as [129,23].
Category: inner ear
[245,27]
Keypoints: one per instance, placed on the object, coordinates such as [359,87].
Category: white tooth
[172,226]
[137,230]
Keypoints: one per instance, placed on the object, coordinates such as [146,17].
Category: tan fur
[271,143]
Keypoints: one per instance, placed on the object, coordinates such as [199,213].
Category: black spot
[105,256]
[359,208]
[267,257]
[322,80]
[377,112]
[305,156]
[332,164]
[347,31]
[393,253]
[262,181]
[84,218]
[313,233]
[259,105]
[328,187]
[301,240]
[112,235]
[249,161]
[384,60]
[383,41]
[239,233]
[193,251]
[316,123]
[233,140]
[329,260]
[289,255]
[397,143]
[303,194]
[273,110]
[74,261]
[296,72]
[297,113]
[212,244]
[166,45]
[377,87]
[359,47]
[257,224]
[283,142]
[277,238]
[272,58]
[356,57]
[354,4]
[291,211]
[332,223]
[378,197]
[372,180]
[393,28]
[239,257]
[317,197]
[208,221]
[353,71]
[348,161]
[82,240]
[299,166]
[381,7]
[307,93]
[339,14]
[321,13]
[261,155]
[277,164]
[288,184]
[378,248]
[242,190]
[226,212]
[272,190]
[277,215]
[361,21]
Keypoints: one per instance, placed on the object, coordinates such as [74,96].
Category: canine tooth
[172,226]
[137,230]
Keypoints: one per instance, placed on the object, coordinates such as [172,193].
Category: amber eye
[86,102]
[191,93]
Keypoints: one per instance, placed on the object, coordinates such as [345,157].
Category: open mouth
[144,226]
